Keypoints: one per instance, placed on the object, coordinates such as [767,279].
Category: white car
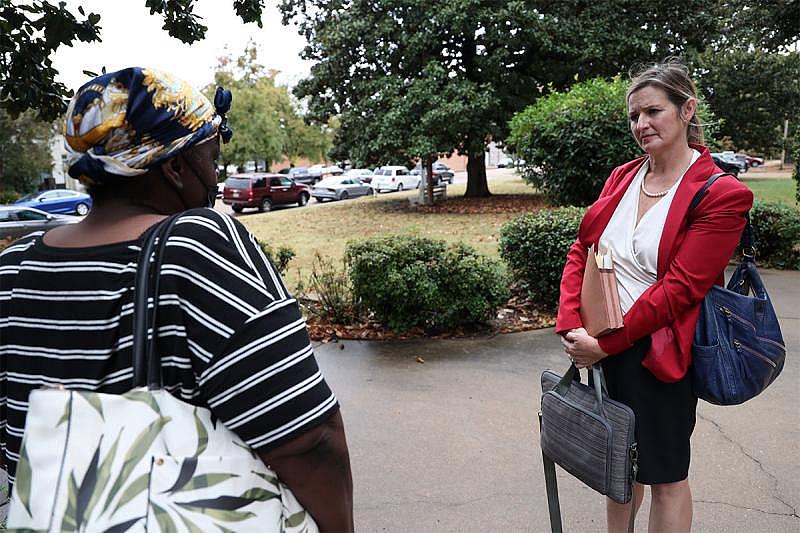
[394,178]
[364,174]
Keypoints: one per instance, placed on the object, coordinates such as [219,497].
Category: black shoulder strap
[748,238]
[146,363]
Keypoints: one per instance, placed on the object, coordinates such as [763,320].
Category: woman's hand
[583,349]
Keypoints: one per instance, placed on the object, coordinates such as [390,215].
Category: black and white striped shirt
[230,336]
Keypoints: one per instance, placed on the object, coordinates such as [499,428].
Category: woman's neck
[672,163]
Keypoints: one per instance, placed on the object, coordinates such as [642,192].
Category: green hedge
[535,247]
[777,233]
[411,281]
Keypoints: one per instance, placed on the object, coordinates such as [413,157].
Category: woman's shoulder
[630,166]
[208,225]
[16,250]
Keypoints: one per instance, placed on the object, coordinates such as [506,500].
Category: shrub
[571,141]
[280,258]
[8,196]
[331,292]
[535,246]
[777,233]
[411,281]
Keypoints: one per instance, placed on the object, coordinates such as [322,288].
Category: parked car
[725,165]
[263,191]
[340,188]
[62,201]
[505,162]
[394,178]
[441,172]
[16,221]
[364,174]
[749,160]
[302,175]
[731,158]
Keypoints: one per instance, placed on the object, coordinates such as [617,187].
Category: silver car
[16,221]
[340,188]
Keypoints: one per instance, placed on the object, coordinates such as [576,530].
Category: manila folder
[597,303]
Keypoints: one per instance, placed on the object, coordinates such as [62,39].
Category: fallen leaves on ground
[498,203]
[518,314]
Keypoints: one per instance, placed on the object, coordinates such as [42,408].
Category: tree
[406,85]
[24,151]
[753,92]
[30,33]
[267,126]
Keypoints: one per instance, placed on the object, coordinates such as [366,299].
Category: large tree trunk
[477,187]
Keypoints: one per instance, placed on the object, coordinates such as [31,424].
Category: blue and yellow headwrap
[124,123]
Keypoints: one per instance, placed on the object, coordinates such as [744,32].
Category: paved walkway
[451,444]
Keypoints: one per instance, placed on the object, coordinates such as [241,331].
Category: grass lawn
[328,228]
[770,189]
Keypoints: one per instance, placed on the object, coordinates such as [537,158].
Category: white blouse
[634,246]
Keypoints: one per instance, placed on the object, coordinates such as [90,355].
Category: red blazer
[692,256]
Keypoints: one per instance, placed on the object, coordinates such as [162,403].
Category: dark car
[441,172]
[58,201]
[262,191]
[16,221]
[303,175]
[725,165]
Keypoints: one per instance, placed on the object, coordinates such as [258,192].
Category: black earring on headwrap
[222,103]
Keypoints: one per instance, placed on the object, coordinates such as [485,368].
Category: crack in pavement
[446,504]
[776,493]
[744,508]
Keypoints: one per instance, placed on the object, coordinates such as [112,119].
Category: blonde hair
[673,77]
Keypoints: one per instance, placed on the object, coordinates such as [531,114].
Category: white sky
[133,37]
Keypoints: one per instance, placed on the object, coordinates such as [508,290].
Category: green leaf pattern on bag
[136,453]
[23,481]
[113,487]
[94,400]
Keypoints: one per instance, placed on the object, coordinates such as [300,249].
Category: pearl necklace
[653,194]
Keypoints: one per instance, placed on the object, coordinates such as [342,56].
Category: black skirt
[665,414]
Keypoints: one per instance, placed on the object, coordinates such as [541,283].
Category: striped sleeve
[253,359]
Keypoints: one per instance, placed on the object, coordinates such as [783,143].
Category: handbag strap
[598,380]
[747,240]
[146,363]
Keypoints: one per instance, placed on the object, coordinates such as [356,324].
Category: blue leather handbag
[737,349]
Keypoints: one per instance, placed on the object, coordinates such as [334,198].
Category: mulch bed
[519,314]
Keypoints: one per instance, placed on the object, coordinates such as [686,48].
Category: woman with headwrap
[145,144]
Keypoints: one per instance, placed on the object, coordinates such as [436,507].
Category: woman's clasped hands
[583,349]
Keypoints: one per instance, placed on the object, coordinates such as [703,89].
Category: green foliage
[572,140]
[414,78]
[411,281]
[535,246]
[24,153]
[331,292]
[8,197]
[752,92]
[31,32]
[267,126]
[279,258]
[777,234]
